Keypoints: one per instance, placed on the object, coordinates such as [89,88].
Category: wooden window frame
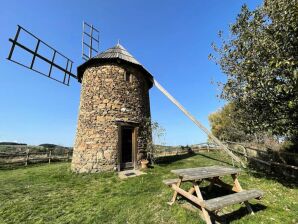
[128,77]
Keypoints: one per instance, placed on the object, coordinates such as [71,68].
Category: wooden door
[127,147]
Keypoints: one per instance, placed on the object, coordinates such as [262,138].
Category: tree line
[260,61]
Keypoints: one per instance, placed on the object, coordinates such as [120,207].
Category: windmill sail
[90,41]
[55,60]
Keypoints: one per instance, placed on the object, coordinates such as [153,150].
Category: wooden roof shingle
[117,52]
[120,52]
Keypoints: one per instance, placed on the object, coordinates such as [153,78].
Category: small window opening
[128,77]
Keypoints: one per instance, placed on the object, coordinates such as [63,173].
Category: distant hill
[54,146]
[50,146]
[12,143]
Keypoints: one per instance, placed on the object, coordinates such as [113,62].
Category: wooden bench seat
[169,182]
[235,198]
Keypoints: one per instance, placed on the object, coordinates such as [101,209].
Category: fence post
[245,154]
[27,156]
[244,151]
[50,154]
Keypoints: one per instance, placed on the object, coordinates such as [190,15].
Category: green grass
[52,194]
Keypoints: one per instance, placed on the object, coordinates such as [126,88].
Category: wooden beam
[187,195]
[199,195]
[201,126]
[175,192]
[237,187]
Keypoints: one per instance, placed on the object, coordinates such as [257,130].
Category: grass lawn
[52,194]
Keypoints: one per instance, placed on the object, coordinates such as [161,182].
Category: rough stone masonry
[114,91]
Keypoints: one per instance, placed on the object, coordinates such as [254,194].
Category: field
[52,194]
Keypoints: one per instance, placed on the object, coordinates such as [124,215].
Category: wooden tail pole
[191,117]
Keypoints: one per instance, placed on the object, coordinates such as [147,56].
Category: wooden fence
[278,162]
[24,158]
[283,163]
[162,151]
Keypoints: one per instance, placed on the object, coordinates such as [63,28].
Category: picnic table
[211,174]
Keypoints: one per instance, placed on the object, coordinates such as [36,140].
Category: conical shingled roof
[117,52]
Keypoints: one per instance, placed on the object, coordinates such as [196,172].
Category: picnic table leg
[191,190]
[175,193]
[211,183]
[237,187]
[200,197]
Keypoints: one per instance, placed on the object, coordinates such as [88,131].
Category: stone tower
[113,127]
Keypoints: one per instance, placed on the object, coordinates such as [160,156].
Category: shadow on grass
[262,172]
[238,214]
[283,173]
[215,159]
[218,191]
[166,160]
[270,173]
[16,166]
[173,158]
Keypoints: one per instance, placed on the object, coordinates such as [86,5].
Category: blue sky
[172,39]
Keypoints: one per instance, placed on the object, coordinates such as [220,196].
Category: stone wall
[106,99]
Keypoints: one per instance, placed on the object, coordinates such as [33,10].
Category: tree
[158,132]
[260,60]
[224,124]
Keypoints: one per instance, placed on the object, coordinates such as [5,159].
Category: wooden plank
[169,182]
[205,172]
[207,168]
[200,198]
[224,201]
[191,190]
[50,155]
[27,156]
[201,126]
[188,195]
[175,192]
[237,187]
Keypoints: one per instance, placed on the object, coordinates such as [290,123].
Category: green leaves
[261,65]
[225,124]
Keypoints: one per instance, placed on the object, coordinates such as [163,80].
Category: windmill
[112,131]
